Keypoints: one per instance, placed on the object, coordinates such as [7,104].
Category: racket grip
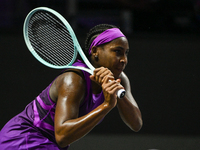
[121,93]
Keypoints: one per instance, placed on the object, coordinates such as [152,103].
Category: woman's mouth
[120,68]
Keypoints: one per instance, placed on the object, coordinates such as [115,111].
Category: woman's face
[113,55]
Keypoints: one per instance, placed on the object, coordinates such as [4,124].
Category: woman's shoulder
[71,79]
[123,76]
[124,80]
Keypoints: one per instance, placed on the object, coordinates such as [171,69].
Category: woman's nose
[123,59]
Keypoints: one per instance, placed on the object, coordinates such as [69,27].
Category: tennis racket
[52,41]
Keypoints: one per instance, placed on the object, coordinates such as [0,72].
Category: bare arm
[70,92]
[128,108]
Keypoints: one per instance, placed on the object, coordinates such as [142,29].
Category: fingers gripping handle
[121,93]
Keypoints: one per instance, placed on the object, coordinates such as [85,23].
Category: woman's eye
[117,51]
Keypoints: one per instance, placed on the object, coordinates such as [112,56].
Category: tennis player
[75,102]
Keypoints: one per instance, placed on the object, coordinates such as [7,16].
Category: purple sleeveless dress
[33,128]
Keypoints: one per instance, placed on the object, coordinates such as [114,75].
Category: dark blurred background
[164,38]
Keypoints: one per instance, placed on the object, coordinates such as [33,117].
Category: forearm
[74,129]
[130,114]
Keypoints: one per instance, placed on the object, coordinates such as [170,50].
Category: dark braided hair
[93,33]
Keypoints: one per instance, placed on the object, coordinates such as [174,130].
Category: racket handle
[121,93]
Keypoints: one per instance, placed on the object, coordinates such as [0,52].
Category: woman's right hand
[110,88]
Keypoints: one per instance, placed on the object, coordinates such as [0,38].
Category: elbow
[136,126]
[61,141]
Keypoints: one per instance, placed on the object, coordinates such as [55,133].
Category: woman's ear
[94,50]
[94,53]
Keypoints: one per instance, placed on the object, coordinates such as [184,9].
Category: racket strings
[51,39]
[54,40]
[52,44]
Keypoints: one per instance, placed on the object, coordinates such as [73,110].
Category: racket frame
[77,47]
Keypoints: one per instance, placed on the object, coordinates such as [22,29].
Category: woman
[75,102]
